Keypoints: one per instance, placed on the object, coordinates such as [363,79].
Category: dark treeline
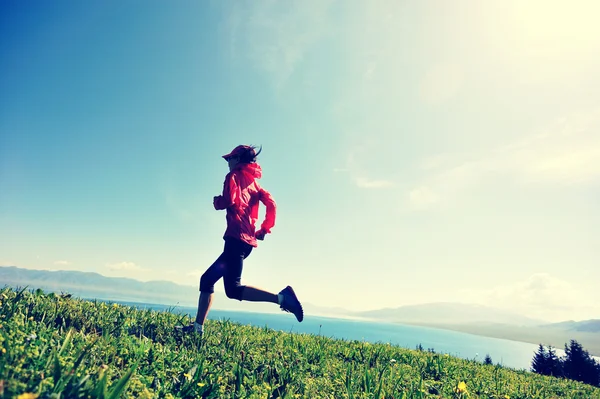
[576,364]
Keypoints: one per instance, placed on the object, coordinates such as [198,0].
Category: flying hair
[250,155]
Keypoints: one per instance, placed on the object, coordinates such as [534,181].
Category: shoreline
[531,335]
[526,334]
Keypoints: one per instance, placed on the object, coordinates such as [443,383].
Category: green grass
[57,347]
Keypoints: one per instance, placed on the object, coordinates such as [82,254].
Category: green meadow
[53,346]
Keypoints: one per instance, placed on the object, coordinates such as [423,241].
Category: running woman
[240,198]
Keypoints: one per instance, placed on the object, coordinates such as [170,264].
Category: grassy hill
[52,345]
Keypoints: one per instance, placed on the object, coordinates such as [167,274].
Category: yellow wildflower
[187,376]
[115,305]
[27,395]
[201,384]
[506,397]
[462,387]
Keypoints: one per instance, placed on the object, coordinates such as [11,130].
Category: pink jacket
[241,196]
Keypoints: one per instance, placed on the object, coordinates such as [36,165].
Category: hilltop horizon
[468,318]
[386,313]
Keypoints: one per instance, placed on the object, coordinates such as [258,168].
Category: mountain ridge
[440,315]
[92,284]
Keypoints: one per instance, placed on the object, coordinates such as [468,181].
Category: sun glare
[558,27]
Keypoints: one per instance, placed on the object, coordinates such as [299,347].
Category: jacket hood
[251,169]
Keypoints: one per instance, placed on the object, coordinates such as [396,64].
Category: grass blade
[120,386]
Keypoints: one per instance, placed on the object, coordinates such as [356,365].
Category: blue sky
[418,152]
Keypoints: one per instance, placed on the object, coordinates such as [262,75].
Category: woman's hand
[260,234]
[217,202]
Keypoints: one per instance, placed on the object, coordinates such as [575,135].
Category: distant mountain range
[449,313]
[94,285]
[592,326]
[475,319]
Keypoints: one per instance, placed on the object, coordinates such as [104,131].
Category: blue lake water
[517,355]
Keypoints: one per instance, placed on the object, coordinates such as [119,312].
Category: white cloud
[128,270]
[370,183]
[193,277]
[62,263]
[124,266]
[177,276]
[357,169]
[42,265]
[541,296]
[422,197]
[566,152]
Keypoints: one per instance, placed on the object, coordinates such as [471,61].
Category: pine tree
[579,365]
[539,363]
[553,363]
[487,359]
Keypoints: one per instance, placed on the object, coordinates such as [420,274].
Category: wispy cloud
[541,296]
[124,266]
[129,270]
[356,169]
[275,36]
[566,152]
[42,265]
[189,278]
[62,263]
[422,197]
[194,276]
[372,183]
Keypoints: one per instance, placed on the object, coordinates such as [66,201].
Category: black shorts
[228,265]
